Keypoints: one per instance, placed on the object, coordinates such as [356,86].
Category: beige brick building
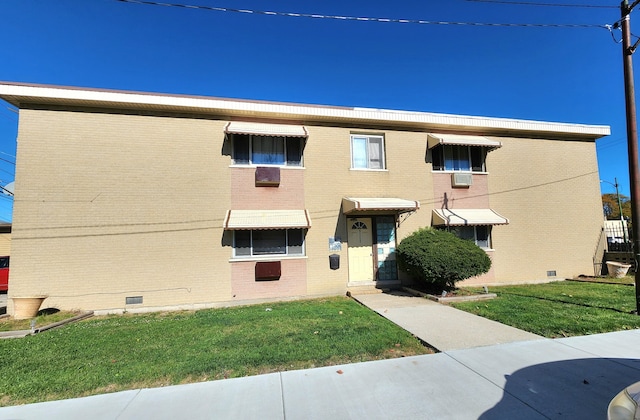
[135,201]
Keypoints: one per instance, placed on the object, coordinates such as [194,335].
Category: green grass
[125,352]
[44,319]
[561,309]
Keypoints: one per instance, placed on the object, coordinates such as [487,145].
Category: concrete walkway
[442,327]
[570,378]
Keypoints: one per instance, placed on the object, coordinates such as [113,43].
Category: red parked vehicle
[4,274]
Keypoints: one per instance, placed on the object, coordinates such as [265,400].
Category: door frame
[374,246]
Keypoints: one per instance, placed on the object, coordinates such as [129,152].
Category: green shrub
[440,258]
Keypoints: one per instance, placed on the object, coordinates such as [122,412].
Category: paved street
[3,303]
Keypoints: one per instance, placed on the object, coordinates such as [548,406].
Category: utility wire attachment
[611,28]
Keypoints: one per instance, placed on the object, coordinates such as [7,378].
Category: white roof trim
[21,93]
[352,205]
[434,140]
[262,129]
[467,217]
[266,219]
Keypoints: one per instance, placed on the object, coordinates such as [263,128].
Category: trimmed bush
[440,259]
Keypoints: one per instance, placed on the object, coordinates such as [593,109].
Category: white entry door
[360,249]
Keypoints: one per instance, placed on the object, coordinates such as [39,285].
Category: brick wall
[110,205]
[475,196]
[114,205]
[245,195]
[291,283]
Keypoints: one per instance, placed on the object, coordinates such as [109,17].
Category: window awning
[467,217]
[353,205]
[264,129]
[434,140]
[266,219]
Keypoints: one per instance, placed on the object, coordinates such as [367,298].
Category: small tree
[440,258]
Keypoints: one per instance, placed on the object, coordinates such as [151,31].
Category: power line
[7,161]
[363,18]
[525,3]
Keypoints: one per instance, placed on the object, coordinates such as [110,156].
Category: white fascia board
[17,93]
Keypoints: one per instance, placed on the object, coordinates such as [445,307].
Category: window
[480,235]
[267,150]
[449,157]
[249,243]
[367,152]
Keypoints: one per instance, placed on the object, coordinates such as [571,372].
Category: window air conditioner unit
[461,179]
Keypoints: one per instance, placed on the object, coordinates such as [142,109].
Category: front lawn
[107,354]
[560,309]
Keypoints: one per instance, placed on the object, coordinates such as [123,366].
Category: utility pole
[632,137]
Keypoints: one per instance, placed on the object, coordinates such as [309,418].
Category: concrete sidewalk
[442,327]
[572,378]
[524,377]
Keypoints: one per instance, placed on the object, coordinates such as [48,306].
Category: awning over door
[353,205]
[467,217]
[434,140]
[264,129]
[266,219]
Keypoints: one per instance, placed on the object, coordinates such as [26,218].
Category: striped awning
[467,217]
[434,140]
[264,129]
[266,219]
[352,205]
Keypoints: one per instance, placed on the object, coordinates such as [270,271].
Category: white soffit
[263,129]
[434,140]
[267,219]
[18,94]
[467,217]
[352,205]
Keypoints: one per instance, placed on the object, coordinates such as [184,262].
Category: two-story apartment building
[135,201]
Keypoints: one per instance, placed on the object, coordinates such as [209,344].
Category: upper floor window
[462,158]
[249,149]
[367,152]
[272,242]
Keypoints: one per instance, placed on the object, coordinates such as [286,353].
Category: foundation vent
[133,300]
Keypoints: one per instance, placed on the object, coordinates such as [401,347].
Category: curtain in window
[242,245]
[269,242]
[375,153]
[294,151]
[268,150]
[359,152]
[437,159]
[483,237]
[456,158]
[295,241]
[241,149]
[478,156]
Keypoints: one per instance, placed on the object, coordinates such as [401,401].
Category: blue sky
[564,74]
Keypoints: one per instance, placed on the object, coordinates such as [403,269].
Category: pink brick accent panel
[245,195]
[474,197]
[483,279]
[293,281]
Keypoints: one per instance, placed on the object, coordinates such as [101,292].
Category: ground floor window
[480,235]
[248,243]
